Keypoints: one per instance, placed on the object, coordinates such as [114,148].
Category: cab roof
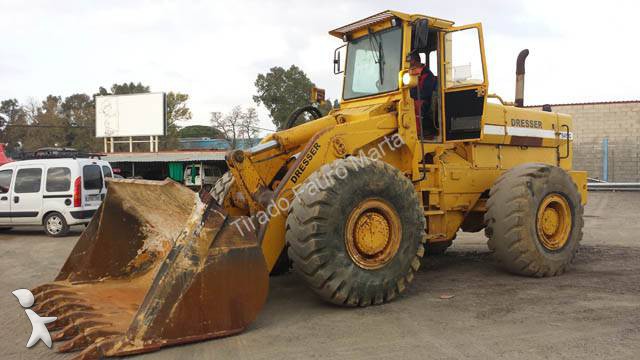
[387,15]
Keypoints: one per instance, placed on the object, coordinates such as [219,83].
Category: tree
[177,110]
[237,124]
[229,125]
[49,126]
[130,88]
[248,125]
[193,131]
[80,114]
[283,91]
[13,128]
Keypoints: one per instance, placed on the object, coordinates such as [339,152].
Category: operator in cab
[423,94]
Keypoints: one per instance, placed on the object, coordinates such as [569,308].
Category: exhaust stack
[520,77]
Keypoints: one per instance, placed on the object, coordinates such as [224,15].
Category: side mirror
[337,62]
[420,35]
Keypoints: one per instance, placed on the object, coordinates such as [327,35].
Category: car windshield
[373,63]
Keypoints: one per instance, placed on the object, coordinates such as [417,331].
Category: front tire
[356,239]
[55,225]
[534,220]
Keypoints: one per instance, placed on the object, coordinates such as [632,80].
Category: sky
[581,51]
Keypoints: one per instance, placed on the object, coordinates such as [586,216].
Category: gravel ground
[592,312]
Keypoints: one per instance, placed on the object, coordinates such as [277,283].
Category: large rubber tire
[55,225]
[316,233]
[511,220]
[221,187]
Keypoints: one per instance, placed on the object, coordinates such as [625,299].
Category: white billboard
[131,115]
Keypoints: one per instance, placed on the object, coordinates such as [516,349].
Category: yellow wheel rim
[554,222]
[372,235]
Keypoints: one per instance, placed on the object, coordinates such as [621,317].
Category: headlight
[406,79]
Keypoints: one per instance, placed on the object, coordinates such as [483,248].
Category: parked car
[196,179]
[55,193]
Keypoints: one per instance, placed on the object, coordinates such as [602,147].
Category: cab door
[463,82]
[5,188]
[26,198]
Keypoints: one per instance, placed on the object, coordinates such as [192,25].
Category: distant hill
[199,131]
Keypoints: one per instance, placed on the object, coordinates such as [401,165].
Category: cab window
[463,59]
[106,171]
[28,181]
[92,177]
[5,181]
[373,63]
[58,179]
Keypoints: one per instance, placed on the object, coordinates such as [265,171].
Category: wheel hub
[372,234]
[54,224]
[554,222]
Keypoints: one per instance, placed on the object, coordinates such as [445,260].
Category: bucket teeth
[44,287]
[141,273]
[45,291]
[73,329]
[70,318]
[65,333]
[60,299]
[85,339]
[62,310]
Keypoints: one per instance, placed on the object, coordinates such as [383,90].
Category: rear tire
[534,220]
[321,244]
[55,225]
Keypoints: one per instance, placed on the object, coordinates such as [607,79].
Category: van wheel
[55,225]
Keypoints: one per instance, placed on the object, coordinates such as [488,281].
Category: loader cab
[455,57]
[375,55]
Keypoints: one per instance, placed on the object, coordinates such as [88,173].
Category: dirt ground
[592,312]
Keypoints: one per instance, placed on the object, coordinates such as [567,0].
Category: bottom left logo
[39,329]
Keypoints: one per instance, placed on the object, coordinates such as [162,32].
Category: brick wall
[617,121]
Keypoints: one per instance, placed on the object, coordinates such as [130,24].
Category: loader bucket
[155,267]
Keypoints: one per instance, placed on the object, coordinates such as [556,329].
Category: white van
[55,193]
[195,178]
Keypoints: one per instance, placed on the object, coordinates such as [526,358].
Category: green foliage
[129,88]
[13,130]
[177,110]
[71,123]
[80,114]
[47,125]
[283,91]
[193,131]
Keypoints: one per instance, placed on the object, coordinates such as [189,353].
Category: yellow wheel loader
[353,199]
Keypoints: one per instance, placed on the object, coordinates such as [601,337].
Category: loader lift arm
[334,141]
